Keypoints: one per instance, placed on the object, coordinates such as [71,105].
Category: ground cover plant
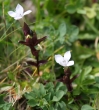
[49,55]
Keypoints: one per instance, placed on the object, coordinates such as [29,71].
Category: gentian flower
[19,12]
[31,39]
[64,61]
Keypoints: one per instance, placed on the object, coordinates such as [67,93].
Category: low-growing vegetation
[49,55]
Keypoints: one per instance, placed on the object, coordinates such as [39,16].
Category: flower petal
[11,13]
[59,59]
[67,56]
[27,12]
[63,63]
[19,9]
[17,17]
[70,63]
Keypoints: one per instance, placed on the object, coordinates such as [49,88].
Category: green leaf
[1,99]
[73,107]
[97,101]
[58,95]
[81,53]
[97,79]
[48,96]
[62,105]
[49,86]
[81,11]
[42,90]
[62,29]
[60,86]
[71,8]
[57,107]
[73,33]
[7,106]
[30,95]
[32,102]
[55,99]
[87,36]
[90,12]
[4,105]
[86,107]
[89,81]
[84,74]
[62,32]
[87,70]
[11,76]
[51,108]
[95,71]
[42,103]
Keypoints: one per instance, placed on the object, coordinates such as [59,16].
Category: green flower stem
[38,10]
[65,69]
[22,21]
[91,26]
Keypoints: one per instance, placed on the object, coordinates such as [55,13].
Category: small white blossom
[19,12]
[64,61]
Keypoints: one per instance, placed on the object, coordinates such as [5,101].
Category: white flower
[64,61]
[19,12]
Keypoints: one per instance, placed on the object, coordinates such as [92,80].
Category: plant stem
[37,60]
[67,79]
[22,21]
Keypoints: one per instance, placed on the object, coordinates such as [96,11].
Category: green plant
[5,105]
[70,25]
[47,97]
